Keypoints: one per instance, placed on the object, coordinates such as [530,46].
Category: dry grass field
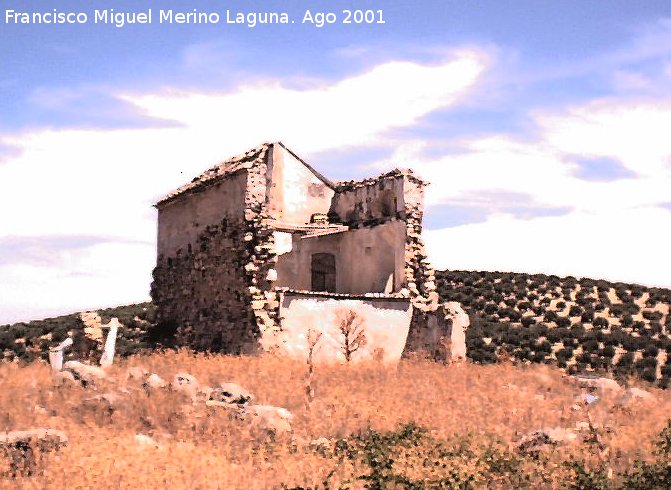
[415,425]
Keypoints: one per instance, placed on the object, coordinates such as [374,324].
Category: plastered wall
[295,193]
[366,258]
[385,323]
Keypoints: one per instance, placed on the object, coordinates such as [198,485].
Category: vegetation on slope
[415,425]
[581,325]
[31,340]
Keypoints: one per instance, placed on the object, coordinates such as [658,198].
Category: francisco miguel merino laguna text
[250,19]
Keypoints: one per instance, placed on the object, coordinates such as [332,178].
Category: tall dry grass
[486,408]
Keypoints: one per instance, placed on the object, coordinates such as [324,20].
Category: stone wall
[204,292]
[395,196]
[213,281]
[439,334]
[182,219]
[419,275]
[369,202]
[219,265]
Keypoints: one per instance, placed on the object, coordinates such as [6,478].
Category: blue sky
[543,127]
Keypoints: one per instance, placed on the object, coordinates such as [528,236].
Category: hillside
[582,325]
[31,340]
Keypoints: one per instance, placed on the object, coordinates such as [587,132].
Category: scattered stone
[85,373]
[588,398]
[275,420]
[185,383]
[603,384]
[154,381]
[110,402]
[632,395]
[19,447]
[146,441]
[63,378]
[227,394]
[320,445]
[137,373]
[536,441]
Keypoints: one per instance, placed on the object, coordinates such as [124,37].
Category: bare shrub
[313,339]
[351,327]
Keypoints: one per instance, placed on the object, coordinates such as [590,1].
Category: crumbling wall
[213,281]
[419,276]
[368,260]
[218,261]
[182,220]
[369,202]
[439,334]
[203,292]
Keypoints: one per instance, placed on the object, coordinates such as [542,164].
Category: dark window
[323,272]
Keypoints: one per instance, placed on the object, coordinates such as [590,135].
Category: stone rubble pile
[19,447]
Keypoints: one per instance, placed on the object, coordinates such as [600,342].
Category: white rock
[639,393]
[460,323]
[110,343]
[56,354]
[269,418]
[229,394]
[146,441]
[634,395]
[604,384]
[85,372]
[185,383]
[154,381]
[535,441]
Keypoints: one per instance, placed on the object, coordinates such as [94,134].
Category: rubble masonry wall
[182,220]
[211,275]
[369,202]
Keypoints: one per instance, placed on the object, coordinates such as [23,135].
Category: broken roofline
[343,296]
[246,160]
[355,184]
[232,166]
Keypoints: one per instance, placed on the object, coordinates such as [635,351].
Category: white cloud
[616,229]
[103,275]
[103,182]
[625,246]
[350,112]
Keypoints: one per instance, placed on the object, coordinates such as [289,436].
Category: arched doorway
[323,272]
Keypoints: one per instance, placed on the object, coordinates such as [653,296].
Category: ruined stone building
[261,248]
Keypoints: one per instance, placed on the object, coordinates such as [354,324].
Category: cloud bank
[81,230]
